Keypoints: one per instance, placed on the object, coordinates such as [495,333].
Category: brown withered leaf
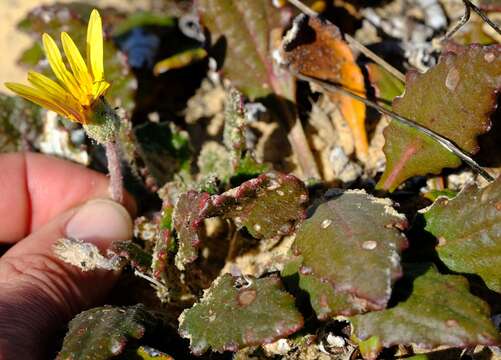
[315,48]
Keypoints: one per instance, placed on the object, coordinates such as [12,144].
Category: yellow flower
[77,90]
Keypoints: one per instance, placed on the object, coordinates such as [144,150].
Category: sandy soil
[13,42]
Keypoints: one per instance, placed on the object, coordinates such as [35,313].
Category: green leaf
[156,260]
[439,311]
[242,29]
[234,125]
[245,166]
[370,348]
[163,267]
[165,245]
[187,222]
[231,316]
[387,86]
[353,243]
[104,332]
[468,231]
[324,299]
[454,99]
[233,163]
[136,255]
[267,206]
[214,160]
[248,167]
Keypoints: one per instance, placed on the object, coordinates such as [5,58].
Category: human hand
[43,199]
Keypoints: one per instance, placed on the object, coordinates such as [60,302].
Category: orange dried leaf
[315,48]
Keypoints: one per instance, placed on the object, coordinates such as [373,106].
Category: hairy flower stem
[104,127]
[116,188]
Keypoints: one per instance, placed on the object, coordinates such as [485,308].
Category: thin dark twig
[464,19]
[446,143]
[374,57]
[484,17]
[304,8]
[468,6]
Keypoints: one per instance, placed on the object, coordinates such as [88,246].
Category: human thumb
[39,292]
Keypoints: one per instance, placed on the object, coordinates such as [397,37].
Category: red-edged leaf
[455,99]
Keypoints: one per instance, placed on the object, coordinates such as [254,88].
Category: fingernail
[100,222]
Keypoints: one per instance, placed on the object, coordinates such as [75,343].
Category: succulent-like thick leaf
[164,149]
[156,262]
[242,30]
[164,244]
[439,311]
[136,255]
[163,264]
[353,242]
[468,229]
[231,316]
[315,48]
[245,166]
[233,163]
[454,99]
[217,161]
[103,332]
[387,86]
[267,206]
[234,125]
[214,160]
[324,299]
[187,222]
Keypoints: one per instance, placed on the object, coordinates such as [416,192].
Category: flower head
[79,89]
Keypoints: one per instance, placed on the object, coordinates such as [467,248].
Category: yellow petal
[59,69]
[99,88]
[39,98]
[55,92]
[77,63]
[42,82]
[95,46]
